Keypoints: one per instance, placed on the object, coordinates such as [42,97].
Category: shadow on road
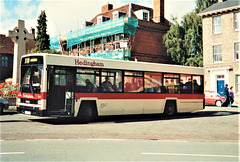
[9,113]
[137,118]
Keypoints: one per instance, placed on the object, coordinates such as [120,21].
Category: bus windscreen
[31,79]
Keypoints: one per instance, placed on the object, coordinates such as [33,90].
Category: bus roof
[78,61]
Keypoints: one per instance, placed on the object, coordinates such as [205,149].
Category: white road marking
[11,153]
[105,139]
[175,154]
[44,139]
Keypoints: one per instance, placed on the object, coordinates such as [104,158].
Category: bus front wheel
[88,112]
[170,108]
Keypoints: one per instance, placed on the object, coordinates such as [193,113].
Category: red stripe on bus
[43,95]
[138,96]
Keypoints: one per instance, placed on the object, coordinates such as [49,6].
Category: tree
[174,42]
[43,42]
[42,39]
[184,40]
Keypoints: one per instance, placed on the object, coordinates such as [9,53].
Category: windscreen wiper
[30,84]
[31,88]
[21,88]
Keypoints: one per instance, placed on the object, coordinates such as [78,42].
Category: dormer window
[146,16]
[101,19]
[143,14]
[118,14]
[85,24]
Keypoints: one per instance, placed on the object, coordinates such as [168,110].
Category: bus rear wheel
[88,112]
[170,108]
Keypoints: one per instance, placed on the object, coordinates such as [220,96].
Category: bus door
[60,101]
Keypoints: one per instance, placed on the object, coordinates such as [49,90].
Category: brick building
[6,55]
[127,33]
[221,41]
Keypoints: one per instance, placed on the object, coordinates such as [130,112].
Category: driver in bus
[89,86]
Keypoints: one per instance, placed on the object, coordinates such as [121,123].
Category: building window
[238,83]
[4,61]
[99,20]
[237,51]
[217,53]
[115,15]
[217,25]
[237,20]
[145,16]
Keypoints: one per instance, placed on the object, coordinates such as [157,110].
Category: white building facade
[221,41]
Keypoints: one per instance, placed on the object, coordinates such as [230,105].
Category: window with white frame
[115,15]
[238,83]
[237,20]
[99,20]
[143,14]
[146,16]
[237,51]
[217,25]
[217,53]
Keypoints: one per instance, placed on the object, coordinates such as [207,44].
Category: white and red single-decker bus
[70,86]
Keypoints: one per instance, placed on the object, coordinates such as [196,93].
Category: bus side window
[153,82]
[87,80]
[111,81]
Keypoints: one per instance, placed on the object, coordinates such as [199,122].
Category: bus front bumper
[31,111]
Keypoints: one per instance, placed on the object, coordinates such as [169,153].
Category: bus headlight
[39,102]
[18,100]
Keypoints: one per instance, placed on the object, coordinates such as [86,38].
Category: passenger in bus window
[105,84]
[158,89]
[114,87]
[109,88]
[89,86]
[195,86]
[119,89]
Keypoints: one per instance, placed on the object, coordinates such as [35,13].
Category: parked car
[213,98]
[3,105]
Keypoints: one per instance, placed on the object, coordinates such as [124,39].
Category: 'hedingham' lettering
[87,63]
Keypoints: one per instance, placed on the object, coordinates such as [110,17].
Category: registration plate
[28,112]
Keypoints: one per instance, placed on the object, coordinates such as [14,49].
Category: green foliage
[203,4]
[42,39]
[184,40]
[174,43]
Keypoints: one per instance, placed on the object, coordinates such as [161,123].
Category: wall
[229,67]
[147,44]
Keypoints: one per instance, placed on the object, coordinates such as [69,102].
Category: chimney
[158,11]
[32,31]
[107,7]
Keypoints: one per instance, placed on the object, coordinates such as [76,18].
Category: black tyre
[88,112]
[1,109]
[170,108]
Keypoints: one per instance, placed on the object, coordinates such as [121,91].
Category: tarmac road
[116,150]
[211,134]
[212,124]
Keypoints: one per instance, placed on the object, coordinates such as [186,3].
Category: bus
[72,86]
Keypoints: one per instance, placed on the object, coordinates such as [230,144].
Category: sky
[64,16]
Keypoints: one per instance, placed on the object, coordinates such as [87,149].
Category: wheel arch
[173,102]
